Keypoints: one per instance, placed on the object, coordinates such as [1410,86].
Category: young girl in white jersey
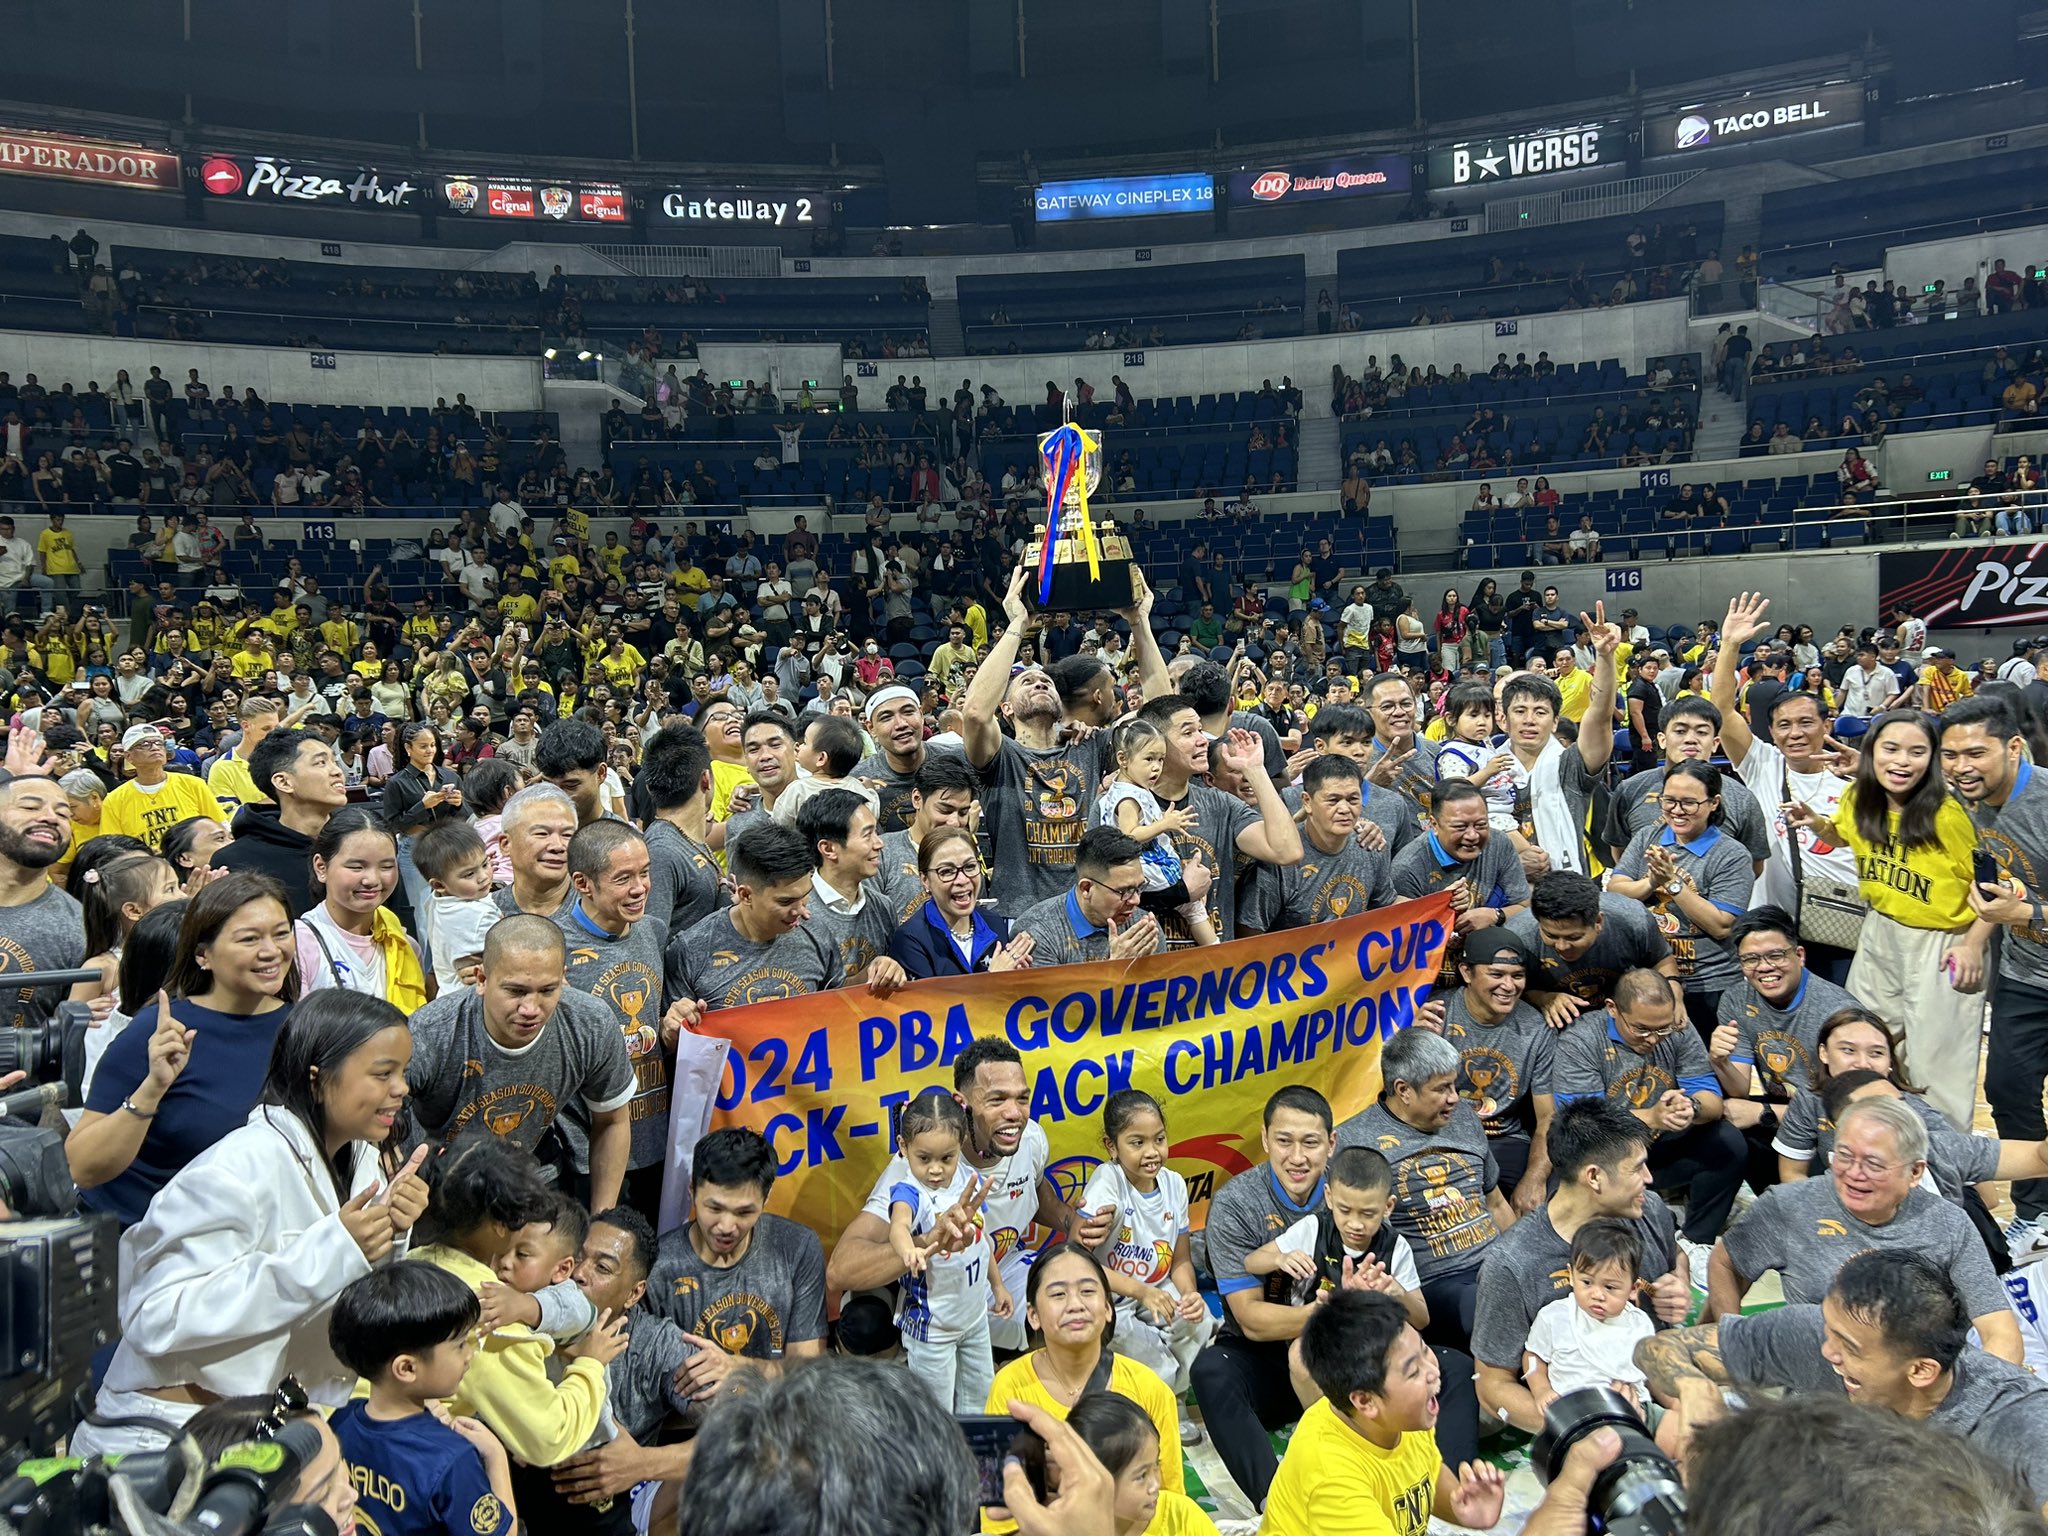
[1161,1321]
[1130,805]
[1474,751]
[946,1297]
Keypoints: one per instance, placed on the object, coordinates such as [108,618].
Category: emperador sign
[66,158]
[1512,158]
[1980,586]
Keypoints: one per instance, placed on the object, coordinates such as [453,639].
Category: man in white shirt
[479,581]
[1868,689]
[2021,668]
[185,546]
[18,571]
[506,514]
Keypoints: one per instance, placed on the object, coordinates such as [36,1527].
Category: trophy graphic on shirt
[1081,566]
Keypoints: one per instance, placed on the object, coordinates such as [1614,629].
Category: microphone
[249,1479]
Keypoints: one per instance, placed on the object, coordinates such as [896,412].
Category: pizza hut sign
[264,177]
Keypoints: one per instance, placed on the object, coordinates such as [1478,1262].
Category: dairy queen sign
[1982,586]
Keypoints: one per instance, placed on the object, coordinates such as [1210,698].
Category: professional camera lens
[37,1049]
[1640,1494]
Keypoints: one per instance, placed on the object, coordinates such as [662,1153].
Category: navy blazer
[925,951]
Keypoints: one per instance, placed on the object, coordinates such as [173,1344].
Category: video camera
[170,1492]
[1640,1493]
[58,1270]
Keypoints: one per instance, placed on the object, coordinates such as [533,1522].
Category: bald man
[517,1050]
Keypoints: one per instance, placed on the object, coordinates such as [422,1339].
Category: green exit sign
[1939,474]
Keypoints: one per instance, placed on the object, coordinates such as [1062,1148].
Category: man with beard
[1580,940]
[895,720]
[1336,877]
[536,826]
[1038,787]
[615,955]
[1984,759]
[741,1284]
[301,774]
[1690,733]
[1009,1154]
[1600,1155]
[41,928]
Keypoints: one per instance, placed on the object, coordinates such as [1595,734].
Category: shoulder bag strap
[1792,842]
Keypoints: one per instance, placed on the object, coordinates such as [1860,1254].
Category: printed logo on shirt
[1052,825]
[1641,1086]
[2013,864]
[1490,1080]
[734,1322]
[1907,881]
[505,1110]
[1778,1053]
[486,1515]
[1827,1226]
[1339,895]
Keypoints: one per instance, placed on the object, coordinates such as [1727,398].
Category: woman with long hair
[1411,640]
[178,1079]
[1453,618]
[191,844]
[421,792]
[229,1276]
[1489,625]
[1920,958]
[352,939]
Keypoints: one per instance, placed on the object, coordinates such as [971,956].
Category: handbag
[1830,912]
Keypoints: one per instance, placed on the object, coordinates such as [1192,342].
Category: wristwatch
[1674,885]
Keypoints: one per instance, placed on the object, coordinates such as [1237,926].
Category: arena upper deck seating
[1184,302]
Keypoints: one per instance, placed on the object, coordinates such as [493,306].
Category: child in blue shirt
[409,1329]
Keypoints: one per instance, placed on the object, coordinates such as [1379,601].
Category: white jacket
[228,1279]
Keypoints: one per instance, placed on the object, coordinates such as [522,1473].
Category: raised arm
[980,735]
[1152,675]
[1743,622]
[1606,639]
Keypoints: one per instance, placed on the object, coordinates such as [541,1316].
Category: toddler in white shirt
[1589,1338]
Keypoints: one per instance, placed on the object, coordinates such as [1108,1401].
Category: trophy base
[1075,591]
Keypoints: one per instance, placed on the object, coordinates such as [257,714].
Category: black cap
[2021,647]
[1493,947]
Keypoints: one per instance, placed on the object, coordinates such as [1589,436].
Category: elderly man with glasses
[1644,1054]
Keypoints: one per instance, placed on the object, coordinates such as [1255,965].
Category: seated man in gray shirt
[1099,918]
[1870,1199]
[1891,1331]
[1580,940]
[1462,855]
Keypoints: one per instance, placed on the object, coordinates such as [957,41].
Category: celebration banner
[1211,1033]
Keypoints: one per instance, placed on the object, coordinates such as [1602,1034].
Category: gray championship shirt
[1592,1061]
[1321,888]
[509,904]
[1035,806]
[1780,1043]
[772,1298]
[46,934]
[459,1074]
[1955,1159]
[1495,879]
[625,974]
[859,936]
[1441,1181]
[1628,939]
[892,788]
[1416,777]
[1219,821]
[1248,1212]
[1720,867]
[1805,1233]
[1528,1268]
[685,879]
[2000,1407]
[643,1379]
[717,965]
[1388,809]
[1504,1065]
[1633,810]
[2016,834]
[902,885]
[1061,935]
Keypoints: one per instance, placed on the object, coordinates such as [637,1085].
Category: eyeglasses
[1683,807]
[1765,958]
[946,874]
[1655,1031]
[1876,1167]
[1123,892]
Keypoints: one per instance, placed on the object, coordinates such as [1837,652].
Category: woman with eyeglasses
[1920,958]
[230,1273]
[952,934]
[1695,881]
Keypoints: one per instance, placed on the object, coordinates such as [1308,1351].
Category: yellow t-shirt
[1179,1515]
[1575,687]
[691,579]
[623,666]
[341,636]
[59,551]
[1918,887]
[149,814]
[611,559]
[1019,1380]
[421,628]
[56,660]
[725,778]
[1335,1482]
[232,786]
[246,666]
[519,607]
[977,624]
[562,570]
[1943,691]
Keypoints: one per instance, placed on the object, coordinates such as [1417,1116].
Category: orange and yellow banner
[1211,1033]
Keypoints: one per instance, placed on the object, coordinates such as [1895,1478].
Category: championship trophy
[1081,567]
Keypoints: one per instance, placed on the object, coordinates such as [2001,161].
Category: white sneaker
[2025,1238]
[1697,1256]
[1191,1432]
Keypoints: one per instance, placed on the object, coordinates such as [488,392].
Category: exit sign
[1939,474]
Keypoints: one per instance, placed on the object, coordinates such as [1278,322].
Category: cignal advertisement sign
[1352,176]
[273,179]
[1515,157]
[66,157]
[728,205]
[1752,119]
[1124,197]
[562,202]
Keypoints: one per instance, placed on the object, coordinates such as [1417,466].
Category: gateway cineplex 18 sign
[1512,157]
[1750,119]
